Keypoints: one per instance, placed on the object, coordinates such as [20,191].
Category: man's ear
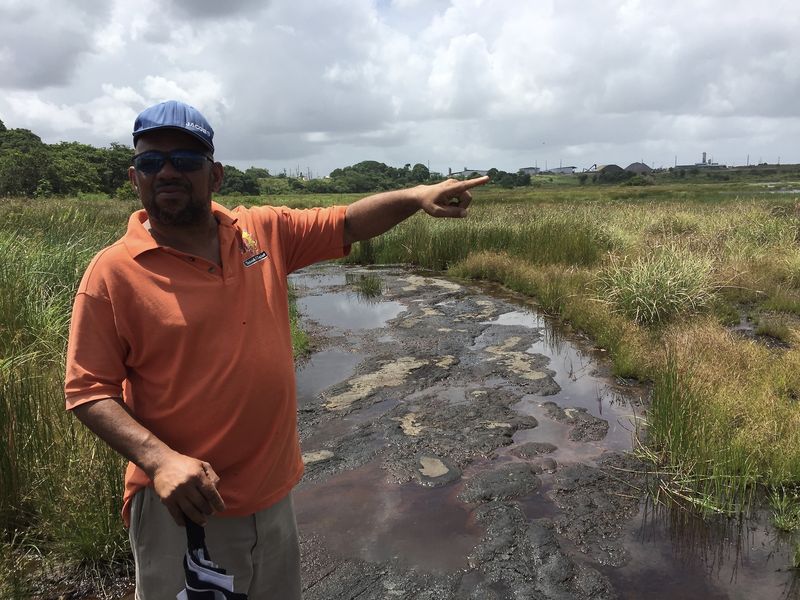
[132,179]
[217,174]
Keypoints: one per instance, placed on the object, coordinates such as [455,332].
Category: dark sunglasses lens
[149,163]
[182,160]
[187,161]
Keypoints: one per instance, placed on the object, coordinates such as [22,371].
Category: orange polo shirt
[201,354]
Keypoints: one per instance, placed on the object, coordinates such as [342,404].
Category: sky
[312,85]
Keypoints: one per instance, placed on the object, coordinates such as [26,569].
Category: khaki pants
[261,551]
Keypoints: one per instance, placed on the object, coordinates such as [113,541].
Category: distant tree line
[31,168]
[370,176]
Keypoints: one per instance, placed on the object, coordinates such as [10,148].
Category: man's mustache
[173,184]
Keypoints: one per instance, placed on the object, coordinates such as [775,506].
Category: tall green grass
[60,487]
[681,435]
[539,237]
[724,416]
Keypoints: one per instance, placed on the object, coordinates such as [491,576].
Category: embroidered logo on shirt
[249,248]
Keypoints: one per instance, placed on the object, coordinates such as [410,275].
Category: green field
[658,275]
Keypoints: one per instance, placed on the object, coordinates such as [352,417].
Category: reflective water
[674,554]
[348,310]
[316,279]
[322,370]
[582,386]
[361,515]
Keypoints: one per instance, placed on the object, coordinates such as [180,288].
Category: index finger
[471,183]
[209,490]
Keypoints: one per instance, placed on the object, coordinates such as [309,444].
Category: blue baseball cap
[174,115]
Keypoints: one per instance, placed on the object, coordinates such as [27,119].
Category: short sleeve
[95,367]
[310,235]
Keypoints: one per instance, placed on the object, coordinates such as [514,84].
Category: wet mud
[457,446]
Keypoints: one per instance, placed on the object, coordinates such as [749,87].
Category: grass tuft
[785,508]
[369,286]
[658,287]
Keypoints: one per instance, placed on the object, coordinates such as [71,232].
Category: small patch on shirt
[249,262]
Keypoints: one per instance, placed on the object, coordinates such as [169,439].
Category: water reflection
[582,386]
[361,515]
[322,370]
[676,554]
[347,310]
[576,368]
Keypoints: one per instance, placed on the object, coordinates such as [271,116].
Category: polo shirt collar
[138,240]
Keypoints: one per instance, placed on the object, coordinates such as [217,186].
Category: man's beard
[195,211]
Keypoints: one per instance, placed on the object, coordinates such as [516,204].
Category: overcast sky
[320,84]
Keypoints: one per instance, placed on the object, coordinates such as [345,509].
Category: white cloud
[502,83]
[47,114]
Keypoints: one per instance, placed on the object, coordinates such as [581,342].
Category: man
[180,356]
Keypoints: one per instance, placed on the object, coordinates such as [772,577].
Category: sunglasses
[184,161]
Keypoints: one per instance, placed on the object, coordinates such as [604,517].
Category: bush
[639,180]
[125,192]
[656,288]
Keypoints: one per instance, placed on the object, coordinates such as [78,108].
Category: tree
[506,180]
[74,168]
[13,170]
[257,172]
[125,192]
[320,186]
[420,173]
[234,181]
[24,162]
[113,169]
[523,179]
[44,189]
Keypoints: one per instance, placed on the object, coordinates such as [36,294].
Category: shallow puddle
[347,310]
[322,370]
[575,369]
[361,516]
[338,428]
[676,555]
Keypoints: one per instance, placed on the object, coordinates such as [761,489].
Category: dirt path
[456,447]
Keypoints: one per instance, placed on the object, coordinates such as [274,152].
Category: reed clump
[656,288]
[543,238]
[59,488]
[729,423]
